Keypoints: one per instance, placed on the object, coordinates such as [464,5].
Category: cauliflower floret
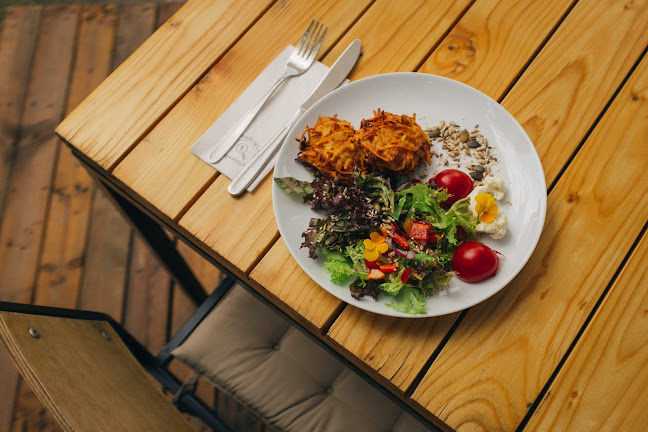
[497,228]
[494,186]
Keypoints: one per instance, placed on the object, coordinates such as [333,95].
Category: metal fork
[299,61]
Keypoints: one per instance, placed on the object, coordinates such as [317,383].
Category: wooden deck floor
[61,242]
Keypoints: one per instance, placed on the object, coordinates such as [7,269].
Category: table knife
[331,80]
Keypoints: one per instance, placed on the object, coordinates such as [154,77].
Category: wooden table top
[564,346]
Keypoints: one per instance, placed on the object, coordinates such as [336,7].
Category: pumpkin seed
[472,143]
[434,132]
[464,135]
[477,176]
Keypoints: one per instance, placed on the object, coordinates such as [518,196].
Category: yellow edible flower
[374,246]
[486,207]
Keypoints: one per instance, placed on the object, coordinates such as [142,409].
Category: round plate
[433,99]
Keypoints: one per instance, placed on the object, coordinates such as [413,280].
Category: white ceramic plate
[433,99]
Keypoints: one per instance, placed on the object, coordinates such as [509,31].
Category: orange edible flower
[486,207]
[374,246]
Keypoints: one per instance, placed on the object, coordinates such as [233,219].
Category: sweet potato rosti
[393,143]
[386,142]
[331,148]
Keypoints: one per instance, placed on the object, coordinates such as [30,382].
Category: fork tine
[309,42]
[319,44]
[301,42]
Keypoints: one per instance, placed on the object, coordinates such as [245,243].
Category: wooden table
[562,347]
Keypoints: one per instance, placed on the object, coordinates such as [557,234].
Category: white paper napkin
[277,110]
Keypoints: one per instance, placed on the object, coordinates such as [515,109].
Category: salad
[383,233]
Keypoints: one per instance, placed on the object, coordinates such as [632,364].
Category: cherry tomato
[474,262]
[458,183]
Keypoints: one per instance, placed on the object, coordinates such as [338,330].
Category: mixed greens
[379,240]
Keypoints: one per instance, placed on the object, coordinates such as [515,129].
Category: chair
[92,375]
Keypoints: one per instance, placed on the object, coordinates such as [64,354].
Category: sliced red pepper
[389,268]
[375,274]
[405,275]
[400,241]
[372,264]
[420,231]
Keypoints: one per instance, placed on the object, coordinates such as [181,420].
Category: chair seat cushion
[291,382]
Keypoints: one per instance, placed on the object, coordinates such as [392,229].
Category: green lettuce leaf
[409,300]
[338,265]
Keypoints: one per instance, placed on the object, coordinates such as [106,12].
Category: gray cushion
[255,355]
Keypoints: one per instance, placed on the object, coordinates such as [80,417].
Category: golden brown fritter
[393,143]
[331,148]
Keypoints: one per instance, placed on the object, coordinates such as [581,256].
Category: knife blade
[331,80]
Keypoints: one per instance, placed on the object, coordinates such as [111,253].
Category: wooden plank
[493,41]
[557,53]
[85,395]
[27,199]
[17,42]
[152,80]
[507,347]
[604,383]
[166,148]
[62,259]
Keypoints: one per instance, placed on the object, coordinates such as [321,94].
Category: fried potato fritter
[386,142]
[393,143]
[331,148]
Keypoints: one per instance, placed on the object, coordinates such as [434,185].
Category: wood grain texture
[148,84]
[63,255]
[493,41]
[506,348]
[166,148]
[106,266]
[603,386]
[147,298]
[17,42]
[84,379]
[26,205]
[571,80]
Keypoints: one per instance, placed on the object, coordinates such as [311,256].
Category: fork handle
[254,167]
[228,141]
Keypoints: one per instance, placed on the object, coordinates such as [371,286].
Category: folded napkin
[277,111]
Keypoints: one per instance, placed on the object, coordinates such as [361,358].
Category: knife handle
[254,167]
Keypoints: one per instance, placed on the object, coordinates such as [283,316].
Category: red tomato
[474,262]
[458,183]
